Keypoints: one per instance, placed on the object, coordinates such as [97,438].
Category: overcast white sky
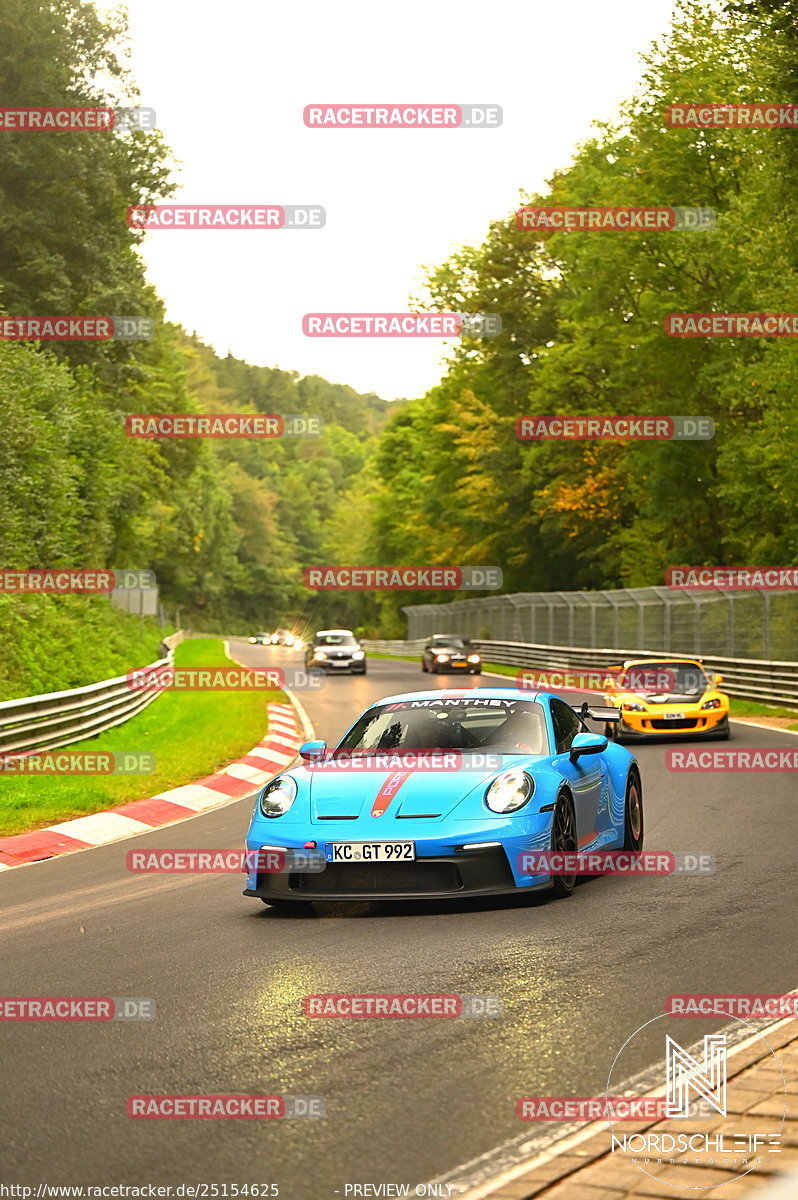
[229,82]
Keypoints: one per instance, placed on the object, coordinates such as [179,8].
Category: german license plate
[336,852]
[673,716]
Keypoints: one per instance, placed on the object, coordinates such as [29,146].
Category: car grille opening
[688,723]
[418,876]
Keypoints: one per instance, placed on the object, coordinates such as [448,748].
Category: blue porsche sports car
[438,794]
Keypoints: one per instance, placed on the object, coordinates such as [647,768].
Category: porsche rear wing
[596,712]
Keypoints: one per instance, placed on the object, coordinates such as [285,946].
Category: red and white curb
[272,754]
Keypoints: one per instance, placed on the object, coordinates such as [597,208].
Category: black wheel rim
[564,839]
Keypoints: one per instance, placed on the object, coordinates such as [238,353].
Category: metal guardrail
[57,719]
[748,679]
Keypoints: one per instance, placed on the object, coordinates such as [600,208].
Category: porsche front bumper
[477,873]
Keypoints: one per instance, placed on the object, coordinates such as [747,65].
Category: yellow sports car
[667,696]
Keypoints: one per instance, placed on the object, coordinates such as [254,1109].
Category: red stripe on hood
[387,792]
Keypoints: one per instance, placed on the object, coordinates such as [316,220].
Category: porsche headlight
[278,796]
[710,704]
[509,792]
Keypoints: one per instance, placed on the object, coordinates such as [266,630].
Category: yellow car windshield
[677,678]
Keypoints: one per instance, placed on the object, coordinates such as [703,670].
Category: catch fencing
[57,719]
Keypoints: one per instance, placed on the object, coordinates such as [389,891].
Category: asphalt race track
[407,1100]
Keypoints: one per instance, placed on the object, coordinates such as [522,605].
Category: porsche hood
[338,795]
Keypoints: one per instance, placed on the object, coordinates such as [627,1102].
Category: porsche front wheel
[564,841]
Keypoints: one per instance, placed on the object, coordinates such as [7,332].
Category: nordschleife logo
[704,1094]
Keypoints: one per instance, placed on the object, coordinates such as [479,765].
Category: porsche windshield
[503,726]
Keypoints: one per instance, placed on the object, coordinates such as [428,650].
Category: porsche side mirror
[587,743]
[312,751]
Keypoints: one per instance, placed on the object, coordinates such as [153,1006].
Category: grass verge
[753,709]
[190,734]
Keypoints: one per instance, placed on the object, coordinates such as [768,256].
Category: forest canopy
[229,525]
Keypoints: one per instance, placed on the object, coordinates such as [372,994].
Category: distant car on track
[336,651]
[525,773]
[282,637]
[261,639]
[446,652]
[668,697]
